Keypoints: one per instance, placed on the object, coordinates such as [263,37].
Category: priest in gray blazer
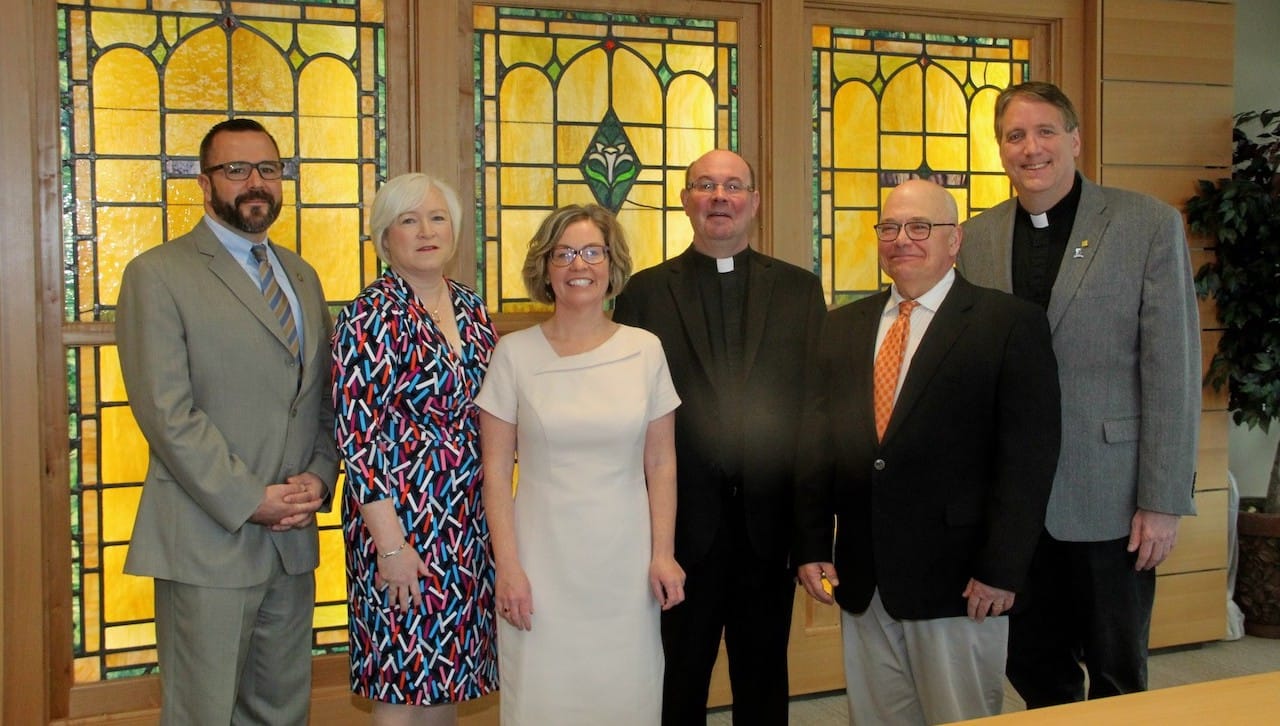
[1112,270]
[235,409]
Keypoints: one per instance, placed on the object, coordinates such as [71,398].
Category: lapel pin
[1079,253]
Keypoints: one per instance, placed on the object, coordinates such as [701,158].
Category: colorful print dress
[408,430]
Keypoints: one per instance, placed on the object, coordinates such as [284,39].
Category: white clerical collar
[1040,221]
[724,264]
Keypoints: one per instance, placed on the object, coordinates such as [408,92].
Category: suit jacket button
[878,464]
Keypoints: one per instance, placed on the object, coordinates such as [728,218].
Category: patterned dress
[407,430]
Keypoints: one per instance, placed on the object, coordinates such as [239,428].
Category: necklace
[435,314]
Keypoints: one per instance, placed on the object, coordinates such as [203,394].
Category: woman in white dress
[584,548]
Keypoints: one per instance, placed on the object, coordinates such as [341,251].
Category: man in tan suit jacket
[242,455]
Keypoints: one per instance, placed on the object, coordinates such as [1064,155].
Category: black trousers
[730,591]
[1087,607]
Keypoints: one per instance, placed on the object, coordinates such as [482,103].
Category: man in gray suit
[224,347]
[1112,270]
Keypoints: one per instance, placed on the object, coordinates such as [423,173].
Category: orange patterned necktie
[889,365]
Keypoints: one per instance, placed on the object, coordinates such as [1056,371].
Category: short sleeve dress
[594,654]
[408,430]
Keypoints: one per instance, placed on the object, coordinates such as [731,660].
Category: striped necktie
[889,365]
[276,298]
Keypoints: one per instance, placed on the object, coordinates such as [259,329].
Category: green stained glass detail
[609,164]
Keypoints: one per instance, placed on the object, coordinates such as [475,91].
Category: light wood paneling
[1211,462]
[1168,40]
[1190,608]
[1202,539]
[1165,124]
[1170,184]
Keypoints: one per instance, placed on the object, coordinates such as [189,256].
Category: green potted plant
[1242,215]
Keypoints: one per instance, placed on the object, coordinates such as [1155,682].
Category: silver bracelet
[394,552]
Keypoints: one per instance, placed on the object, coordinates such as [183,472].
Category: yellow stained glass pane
[124,450]
[571,140]
[583,93]
[853,120]
[700,59]
[91,532]
[331,579]
[131,597]
[333,517]
[130,636]
[647,143]
[281,129]
[328,183]
[527,96]
[568,48]
[332,242]
[532,49]
[123,232]
[125,79]
[641,102]
[112,386]
[526,143]
[280,34]
[326,87]
[129,28]
[196,74]
[678,232]
[184,191]
[86,669]
[945,104]
[126,132]
[119,510]
[901,152]
[988,190]
[330,616]
[958,69]
[518,227]
[131,658]
[329,137]
[483,17]
[644,231]
[890,64]
[91,623]
[691,105]
[528,186]
[128,180]
[183,218]
[261,79]
[900,108]
[855,250]
[853,66]
[79,55]
[652,53]
[184,131]
[857,189]
[821,36]
[983,149]
[946,153]
[998,75]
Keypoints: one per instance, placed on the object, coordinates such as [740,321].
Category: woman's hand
[666,577]
[398,576]
[514,597]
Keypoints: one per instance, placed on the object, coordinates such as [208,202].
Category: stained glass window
[577,107]
[890,106]
[141,83]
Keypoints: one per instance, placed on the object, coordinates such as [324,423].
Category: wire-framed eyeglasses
[730,189]
[591,254]
[240,170]
[916,231]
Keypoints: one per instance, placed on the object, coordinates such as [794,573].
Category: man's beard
[253,224]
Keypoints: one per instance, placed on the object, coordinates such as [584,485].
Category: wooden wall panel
[1173,185]
[1190,608]
[1168,40]
[1166,124]
[1211,463]
[1202,539]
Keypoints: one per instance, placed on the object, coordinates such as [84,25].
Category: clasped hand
[290,505]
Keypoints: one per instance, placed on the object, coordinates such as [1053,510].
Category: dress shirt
[920,319]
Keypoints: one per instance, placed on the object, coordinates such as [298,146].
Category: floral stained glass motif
[578,107]
[891,106]
[141,83]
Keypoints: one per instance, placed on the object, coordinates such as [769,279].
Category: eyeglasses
[731,189]
[240,170]
[591,254]
[917,231]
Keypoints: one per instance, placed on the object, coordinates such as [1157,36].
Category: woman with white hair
[409,355]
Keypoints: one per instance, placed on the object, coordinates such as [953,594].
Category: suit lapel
[1090,224]
[860,346]
[945,328]
[688,302]
[312,323]
[232,274]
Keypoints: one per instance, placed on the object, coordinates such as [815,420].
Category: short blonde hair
[548,236]
[402,194]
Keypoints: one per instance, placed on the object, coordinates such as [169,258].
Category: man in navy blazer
[1113,272]
[740,330]
[936,521]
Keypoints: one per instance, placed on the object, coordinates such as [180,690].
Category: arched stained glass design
[577,107]
[141,83]
[890,106]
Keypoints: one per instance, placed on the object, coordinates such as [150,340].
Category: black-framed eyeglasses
[731,189]
[240,170]
[917,231]
[591,254]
